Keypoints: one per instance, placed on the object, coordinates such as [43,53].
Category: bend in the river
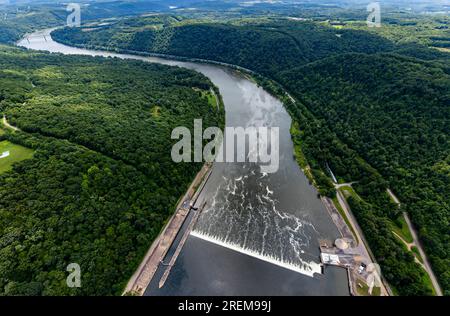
[259,233]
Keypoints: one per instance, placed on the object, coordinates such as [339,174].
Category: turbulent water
[274,218]
[245,211]
[244,215]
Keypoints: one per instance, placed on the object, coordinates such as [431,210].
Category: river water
[258,233]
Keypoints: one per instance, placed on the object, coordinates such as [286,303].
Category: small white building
[328,258]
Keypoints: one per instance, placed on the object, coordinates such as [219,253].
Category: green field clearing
[404,246]
[349,191]
[212,100]
[156,111]
[296,138]
[344,216]
[402,231]
[16,153]
[363,290]
[426,279]
[210,96]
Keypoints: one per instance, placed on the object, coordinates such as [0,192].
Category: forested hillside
[405,28]
[18,18]
[266,47]
[101,182]
[395,113]
[13,25]
[375,111]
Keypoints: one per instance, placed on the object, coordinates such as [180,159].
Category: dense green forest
[15,23]
[18,19]
[406,28]
[376,111]
[266,47]
[101,182]
[395,113]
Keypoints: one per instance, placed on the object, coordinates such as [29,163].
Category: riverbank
[161,245]
[148,54]
[346,223]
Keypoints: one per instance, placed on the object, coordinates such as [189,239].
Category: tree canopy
[101,182]
[375,111]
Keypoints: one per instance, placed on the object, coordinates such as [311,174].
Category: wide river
[259,233]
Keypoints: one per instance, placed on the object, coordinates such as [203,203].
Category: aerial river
[258,233]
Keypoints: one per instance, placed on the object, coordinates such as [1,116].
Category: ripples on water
[243,215]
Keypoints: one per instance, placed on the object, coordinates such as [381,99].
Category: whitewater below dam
[258,233]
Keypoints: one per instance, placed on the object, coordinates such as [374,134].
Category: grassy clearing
[344,216]
[402,231]
[363,289]
[404,246]
[296,138]
[349,191]
[212,100]
[426,279]
[16,153]
[155,111]
[210,96]
[299,157]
